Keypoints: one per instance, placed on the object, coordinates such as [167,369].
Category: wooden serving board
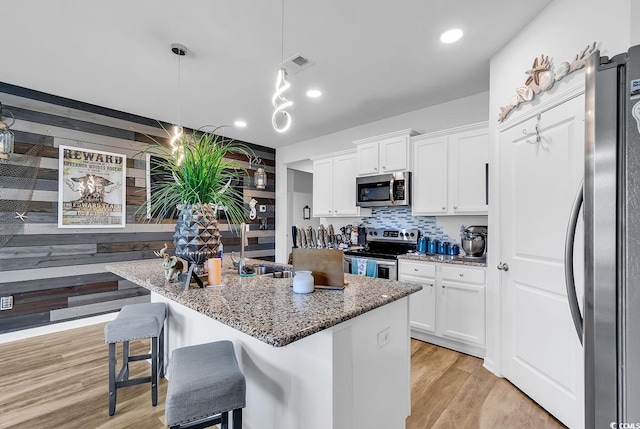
[326,265]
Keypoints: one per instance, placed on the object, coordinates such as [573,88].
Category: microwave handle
[391,193]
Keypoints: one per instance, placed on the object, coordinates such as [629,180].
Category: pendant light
[280,103]
[6,137]
[176,146]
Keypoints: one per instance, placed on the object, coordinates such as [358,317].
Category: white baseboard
[469,349]
[56,327]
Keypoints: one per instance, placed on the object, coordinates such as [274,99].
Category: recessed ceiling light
[451,36]
[240,124]
[314,93]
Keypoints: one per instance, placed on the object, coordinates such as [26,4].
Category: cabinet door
[368,158]
[393,154]
[461,312]
[429,187]
[422,305]
[323,187]
[344,185]
[469,172]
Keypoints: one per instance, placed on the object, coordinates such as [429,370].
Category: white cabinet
[450,309]
[422,304]
[334,186]
[450,172]
[462,309]
[384,154]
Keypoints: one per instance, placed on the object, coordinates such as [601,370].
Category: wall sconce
[260,176]
[306,213]
[6,137]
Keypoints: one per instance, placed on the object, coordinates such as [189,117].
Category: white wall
[560,31]
[468,110]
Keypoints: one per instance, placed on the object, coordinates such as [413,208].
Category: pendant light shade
[6,137]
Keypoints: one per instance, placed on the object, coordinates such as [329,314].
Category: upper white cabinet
[451,171]
[334,186]
[384,154]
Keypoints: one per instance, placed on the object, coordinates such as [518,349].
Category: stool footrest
[140,357]
[133,382]
[204,423]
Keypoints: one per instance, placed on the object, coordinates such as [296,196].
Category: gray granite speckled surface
[264,307]
[445,259]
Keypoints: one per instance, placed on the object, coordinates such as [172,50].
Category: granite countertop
[265,307]
[446,259]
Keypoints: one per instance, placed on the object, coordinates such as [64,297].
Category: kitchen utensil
[303,236]
[298,237]
[326,265]
[322,242]
[474,240]
[294,235]
[473,246]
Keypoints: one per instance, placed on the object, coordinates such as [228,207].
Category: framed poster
[91,188]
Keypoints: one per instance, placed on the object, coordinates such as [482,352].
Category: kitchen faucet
[242,244]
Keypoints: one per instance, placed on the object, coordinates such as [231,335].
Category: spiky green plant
[199,172]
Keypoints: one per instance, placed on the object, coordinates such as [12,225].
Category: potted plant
[197,172]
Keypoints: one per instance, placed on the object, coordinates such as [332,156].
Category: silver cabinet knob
[375,168]
[415,269]
[461,275]
[444,208]
[384,168]
[503,267]
[442,286]
[455,207]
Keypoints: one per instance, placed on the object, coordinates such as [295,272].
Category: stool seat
[136,321]
[205,380]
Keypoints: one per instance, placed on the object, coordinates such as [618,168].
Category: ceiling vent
[297,63]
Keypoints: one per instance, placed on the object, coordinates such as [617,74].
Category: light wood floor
[60,380]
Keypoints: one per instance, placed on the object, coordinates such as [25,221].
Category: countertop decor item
[197,173]
[303,282]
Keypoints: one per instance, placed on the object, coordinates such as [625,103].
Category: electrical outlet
[384,337]
[263,208]
[6,303]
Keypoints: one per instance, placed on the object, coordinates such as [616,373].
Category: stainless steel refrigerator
[610,326]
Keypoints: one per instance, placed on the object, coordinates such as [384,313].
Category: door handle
[503,267]
[568,263]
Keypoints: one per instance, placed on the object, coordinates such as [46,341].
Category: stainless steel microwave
[392,189]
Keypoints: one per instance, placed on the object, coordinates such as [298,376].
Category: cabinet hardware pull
[415,269]
[375,168]
[455,207]
[461,275]
[503,267]
[444,208]
[442,286]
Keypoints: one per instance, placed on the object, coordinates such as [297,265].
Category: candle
[214,268]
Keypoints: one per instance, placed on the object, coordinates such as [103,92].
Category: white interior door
[542,354]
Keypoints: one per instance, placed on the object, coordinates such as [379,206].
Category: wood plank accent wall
[58,274]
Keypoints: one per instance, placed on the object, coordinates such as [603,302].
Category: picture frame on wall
[91,188]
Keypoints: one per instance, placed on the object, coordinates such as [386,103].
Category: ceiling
[373,59]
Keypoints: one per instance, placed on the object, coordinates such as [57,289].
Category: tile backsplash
[401,218]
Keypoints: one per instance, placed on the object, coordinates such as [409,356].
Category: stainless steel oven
[383,246]
[387,268]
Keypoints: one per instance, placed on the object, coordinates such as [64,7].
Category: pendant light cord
[282,36]
[179,106]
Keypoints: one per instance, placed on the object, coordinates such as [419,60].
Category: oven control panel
[393,235]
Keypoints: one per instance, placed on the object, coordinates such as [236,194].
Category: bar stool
[205,383]
[136,321]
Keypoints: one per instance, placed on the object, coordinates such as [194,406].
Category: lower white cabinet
[450,309]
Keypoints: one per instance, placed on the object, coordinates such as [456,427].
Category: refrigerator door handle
[568,262]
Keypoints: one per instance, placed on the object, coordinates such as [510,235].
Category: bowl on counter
[473,246]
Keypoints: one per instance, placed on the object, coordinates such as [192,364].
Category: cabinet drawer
[415,268]
[465,275]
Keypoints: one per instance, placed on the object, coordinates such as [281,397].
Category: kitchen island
[330,359]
